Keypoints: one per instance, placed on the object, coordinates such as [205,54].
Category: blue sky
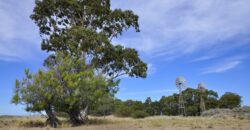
[204,41]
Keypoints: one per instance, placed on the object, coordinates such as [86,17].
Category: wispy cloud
[176,28]
[19,38]
[222,68]
[151,69]
[203,58]
[169,28]
[225,65]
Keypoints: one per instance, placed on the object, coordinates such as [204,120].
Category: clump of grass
[196,127]
[97,122]
[65,125]
[241,117]
[5,124]
[20,123]
[32,123]
[210,126]
[156,123]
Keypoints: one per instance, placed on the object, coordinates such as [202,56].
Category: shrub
[230,100]
[139,114]
[192,110]
[123,111]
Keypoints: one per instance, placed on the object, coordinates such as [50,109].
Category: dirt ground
[114,123]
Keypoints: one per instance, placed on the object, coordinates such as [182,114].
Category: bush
[123,111]
[192,110]
[230,100]
[139,114]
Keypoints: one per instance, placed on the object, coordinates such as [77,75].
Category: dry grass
[114,123]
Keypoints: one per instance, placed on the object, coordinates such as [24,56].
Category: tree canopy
[230,100]
[85,28]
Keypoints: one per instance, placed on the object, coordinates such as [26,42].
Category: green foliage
[135,105]
[53,16]
[123,111]
[149,106]
[230,100]
[104,106]
[169,105]
[192,110]
[212,103]
[85,29]
[34,91]
[139,114]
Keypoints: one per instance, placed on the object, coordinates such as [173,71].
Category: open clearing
[114,123]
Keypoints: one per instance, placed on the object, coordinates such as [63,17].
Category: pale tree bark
[84,114]
[52,120]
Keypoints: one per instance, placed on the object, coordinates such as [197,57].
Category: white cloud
[19,38]
[151,69]
[225,65]
[172,28]
[169,28]
[203,58]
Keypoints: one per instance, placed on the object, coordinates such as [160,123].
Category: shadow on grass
[62,124]
[31,123]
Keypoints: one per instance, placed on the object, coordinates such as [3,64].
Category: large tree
[84,64]
[85,28]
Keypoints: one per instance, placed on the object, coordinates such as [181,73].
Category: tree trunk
[74,117]
[84,114]
[52,120]
[78,117]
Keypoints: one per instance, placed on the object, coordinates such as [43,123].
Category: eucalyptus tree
[84,64]
[85,28]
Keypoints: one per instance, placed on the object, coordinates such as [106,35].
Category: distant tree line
[167,105]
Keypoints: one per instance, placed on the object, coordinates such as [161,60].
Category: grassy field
[114,123]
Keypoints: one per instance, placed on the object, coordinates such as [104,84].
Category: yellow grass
[114,123]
